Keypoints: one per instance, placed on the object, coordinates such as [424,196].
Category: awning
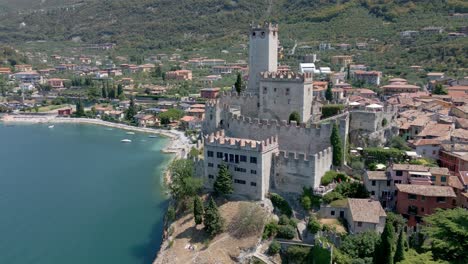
[421,173]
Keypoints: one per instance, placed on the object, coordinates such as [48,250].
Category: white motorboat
[152,136]
[130,133]
[52,126]
[126,141]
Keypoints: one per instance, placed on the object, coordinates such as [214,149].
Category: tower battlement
[286,76]
[220,139]
[266,25]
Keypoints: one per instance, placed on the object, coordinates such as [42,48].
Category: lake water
[76,194]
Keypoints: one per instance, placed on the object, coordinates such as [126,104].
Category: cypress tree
[79,109]
[400,248]
[212,219]
[131,111]
[439,89]
[337,146]
[119,90]
[385,250]
[198,210]
[238,84]
[223,183]
[329,93]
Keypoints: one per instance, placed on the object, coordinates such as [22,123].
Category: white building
[248,161]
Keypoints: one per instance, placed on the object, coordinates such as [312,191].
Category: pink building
[179,75]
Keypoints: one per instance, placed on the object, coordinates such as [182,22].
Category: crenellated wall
[293,171]
[291,137]
[246,102]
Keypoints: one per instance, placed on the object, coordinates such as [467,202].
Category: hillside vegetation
[147,25]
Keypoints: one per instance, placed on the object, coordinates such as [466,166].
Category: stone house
[379,185]
[361,214]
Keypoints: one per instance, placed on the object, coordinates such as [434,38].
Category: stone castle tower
[263,53]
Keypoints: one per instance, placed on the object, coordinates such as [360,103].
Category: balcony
[420,178]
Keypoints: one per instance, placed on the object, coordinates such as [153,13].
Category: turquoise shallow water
[76,194]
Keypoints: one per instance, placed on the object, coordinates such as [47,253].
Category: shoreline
[179,144]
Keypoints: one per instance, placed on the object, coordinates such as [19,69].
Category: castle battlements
[235,94]
[237,119]
[286,76]
[287,157]
[267,25]
[220,139]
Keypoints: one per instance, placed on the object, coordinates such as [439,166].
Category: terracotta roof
[426,190]
[409,167]
[188,118]
[376,175]
[454,182]
[439,170]
[196,110]
[460,133]
[436,130]
[365,210]
[425,142]
[458,88]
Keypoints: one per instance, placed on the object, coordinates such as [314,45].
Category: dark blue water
[76,194]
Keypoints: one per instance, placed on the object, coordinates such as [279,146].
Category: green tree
[157,73]
[447,234]
[329,92]
[183,183]
[314,225]
[238,84]
[131,111]
[361,246]
[385,249]
[171,115]
[412,257]
[274,248]
[198,210]
[400,247]
[223,183]
[337,146]
[119,89]
[295,116]
[104,92]
[79,109]
[399,143]
[212,219]
[439,89]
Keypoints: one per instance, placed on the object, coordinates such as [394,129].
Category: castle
[249,132]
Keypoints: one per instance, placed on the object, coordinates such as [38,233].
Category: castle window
[253,34]
[219,155]
[231,157]
[253,160]
[263,34]
[211,165]
[240,169]
[253,172]
[332,212]
[373,193]
[210,154]
[226,157]
[264,90]
[287,91]
[236,158]
[211,176]
[373,183]
[243,158]
[253,184]
[274,90]
[359,224]
[239,181]
[211,116]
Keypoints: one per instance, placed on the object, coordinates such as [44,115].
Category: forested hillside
[146,25]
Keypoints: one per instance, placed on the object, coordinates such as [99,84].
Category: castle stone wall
[293,171]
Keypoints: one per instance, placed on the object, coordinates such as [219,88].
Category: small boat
[52,126]
[130,133]
[126,141]
[152,136]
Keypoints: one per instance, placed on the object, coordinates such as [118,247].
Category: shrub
[283,220]
[332,196]
[274,248]
[271,229]
[380,155]
[293,222]
[298,254]
[286,232]
[171,214]
[313,226]
[306,202]
[281,204]
[331,110]
[328,178]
